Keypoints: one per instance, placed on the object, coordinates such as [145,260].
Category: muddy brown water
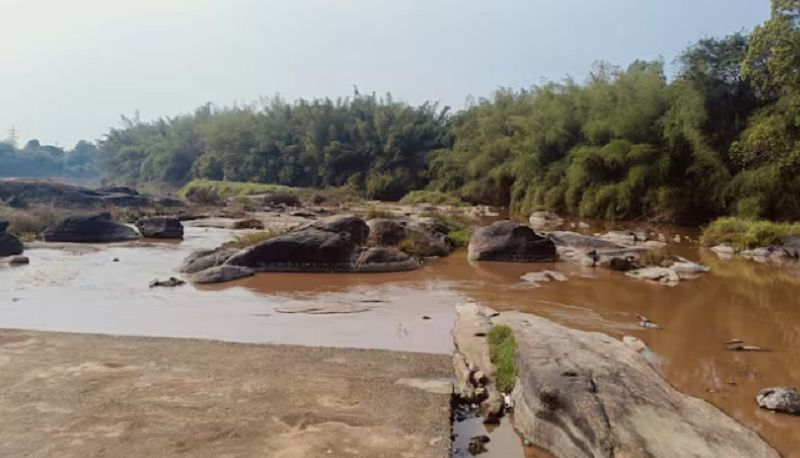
[82,289]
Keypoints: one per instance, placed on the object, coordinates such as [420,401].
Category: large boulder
[160,227]
[221,274]
[509,241]
[308,249]
[97,228]
[428,237]
[354,226]
[22,193]
[784,399]
[586,394]
[9,245]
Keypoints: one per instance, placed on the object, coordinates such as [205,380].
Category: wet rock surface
[782,399]
[162,227]
[509,241]
[221,274]
[97,228]
[582,394]
[205,259]
[9,245]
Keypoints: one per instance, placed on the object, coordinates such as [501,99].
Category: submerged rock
[9,245]
[162,227]
[221,274]
[205,259]
[586,394]
[782,399]
[656,274]
[509,241]
[385,259]
[97,228]
[543,277]
[169,283]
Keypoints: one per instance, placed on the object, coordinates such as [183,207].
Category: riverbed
[104,289]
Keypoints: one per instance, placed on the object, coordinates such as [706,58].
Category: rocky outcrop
[584,394]
[429,237]
[205,259]
[160,227]
[385,259]
[221,274]
[784,399]
[97,228]
[332,244]
[9,245]
[22,193]
[509,241]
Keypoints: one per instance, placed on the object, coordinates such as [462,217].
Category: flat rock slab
[79,395]
[585,394]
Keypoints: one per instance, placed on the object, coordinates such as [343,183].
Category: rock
[97,228]
[250,223]
[739,346]
[221,274]
[625,237]
[656,274]
[545,219]
[170,283]
[543,277]
[354,226]
[118,190]
[385,259]
[509,241]
[782,399]
[205,259]
[585,394]
[622,264]
[161,227]
[477,445]
[9,245]
[430,238]
[581,241]
[22,193]
[684,266]
[472,357]
[307,250]
[791,246]
[655,244]
[18,260]
[723,250]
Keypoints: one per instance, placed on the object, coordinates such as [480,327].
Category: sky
[70,68]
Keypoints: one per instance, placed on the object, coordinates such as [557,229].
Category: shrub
[375,212]
[744,233]
[203,196]
[503,353]
[431,197]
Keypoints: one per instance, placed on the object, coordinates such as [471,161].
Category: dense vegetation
[720,138]
[36,160]
[503,353]
[746,233]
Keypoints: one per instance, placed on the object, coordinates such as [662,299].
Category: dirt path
[82,395]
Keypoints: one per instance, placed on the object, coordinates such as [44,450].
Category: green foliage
[503,353]
[431,197]
[744,233]
[374,212]
[36,160]
[226,189]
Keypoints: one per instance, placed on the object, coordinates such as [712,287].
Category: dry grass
[28,223]
[254,238]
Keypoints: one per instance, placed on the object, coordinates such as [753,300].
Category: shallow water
[82,289]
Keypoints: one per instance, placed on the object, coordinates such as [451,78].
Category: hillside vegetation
[721,137]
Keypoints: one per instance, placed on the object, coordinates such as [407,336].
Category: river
[83,289]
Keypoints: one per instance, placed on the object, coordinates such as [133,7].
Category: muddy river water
[83,289]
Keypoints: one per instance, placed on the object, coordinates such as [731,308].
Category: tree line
[37,160]
[722,136]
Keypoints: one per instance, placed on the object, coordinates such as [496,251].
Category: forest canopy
[719,136]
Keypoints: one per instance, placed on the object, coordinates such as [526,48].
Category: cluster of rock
[789,250]
[331,244]
[101,228]
[584,394]
[22,193]
[9,245]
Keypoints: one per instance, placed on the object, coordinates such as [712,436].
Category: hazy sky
[70,68]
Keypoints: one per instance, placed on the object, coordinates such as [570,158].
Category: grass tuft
[743,233]
[254,238]
[431,197]
[503,353]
